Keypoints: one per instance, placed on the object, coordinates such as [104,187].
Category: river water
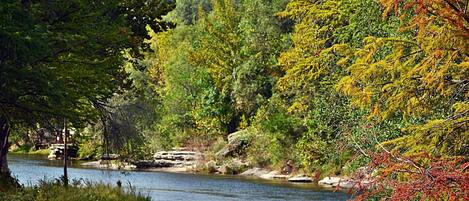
[173,186]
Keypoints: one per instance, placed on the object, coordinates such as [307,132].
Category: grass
[77,191]
[40,152]
[26,149]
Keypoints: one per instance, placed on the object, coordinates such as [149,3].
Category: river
[162,186]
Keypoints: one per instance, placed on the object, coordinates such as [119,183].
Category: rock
[54,154]
[224,169]
[57,151]
[92,164]
[274,175]
[234,166]
[175,155]
[176,159]
[258,172]
[347,184]
[330,181]
[211,166]
[109,157]
[237,141]
[300,178]
[144,164]
[343,183]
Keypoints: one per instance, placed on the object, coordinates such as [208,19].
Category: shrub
[418,177]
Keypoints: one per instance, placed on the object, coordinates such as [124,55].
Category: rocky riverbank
[227,161]
[173,161]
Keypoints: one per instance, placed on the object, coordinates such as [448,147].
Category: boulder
[224,169]
[175,155]
[330,181]
[211,166]
[234,166]
[56,151]
[258,172]
[347,184]
[94,164]
[237,141]
[301,179]
[274,175]
[180,158]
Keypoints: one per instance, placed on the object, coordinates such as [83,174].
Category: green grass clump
[78,191]
[40,152]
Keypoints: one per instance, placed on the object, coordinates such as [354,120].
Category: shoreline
[332,183]
[256,173]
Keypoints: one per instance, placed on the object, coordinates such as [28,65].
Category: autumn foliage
[418,177]
[455,12]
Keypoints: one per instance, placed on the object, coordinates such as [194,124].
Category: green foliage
[212,73]
[419,80]
[187,11]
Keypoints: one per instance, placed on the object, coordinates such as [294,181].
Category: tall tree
[58,59]
[423,78]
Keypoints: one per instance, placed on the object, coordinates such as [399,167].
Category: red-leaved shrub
[417,177]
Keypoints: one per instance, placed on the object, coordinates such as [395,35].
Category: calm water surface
[174,186]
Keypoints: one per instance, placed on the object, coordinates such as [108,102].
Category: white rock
[255,172]
[274,175]
[347,184]
[330,181]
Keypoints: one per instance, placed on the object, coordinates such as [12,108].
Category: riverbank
[251,173]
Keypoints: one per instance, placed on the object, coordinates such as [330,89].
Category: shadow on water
[173,186]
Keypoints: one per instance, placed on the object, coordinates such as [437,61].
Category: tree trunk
[4,132]
[65,153]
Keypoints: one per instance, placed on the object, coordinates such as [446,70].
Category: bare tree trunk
[4,132]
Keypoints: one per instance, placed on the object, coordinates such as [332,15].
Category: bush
[89,149]
[416,177]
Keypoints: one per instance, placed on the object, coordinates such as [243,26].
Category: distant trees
[213,73]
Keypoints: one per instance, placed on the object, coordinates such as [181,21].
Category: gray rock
[175,155]
[344,183]
[347,184]
[274,175]
[301,179]
[180,158]
[330,181]
[211,166]
[237,141]
[234,166]
[224,169]
[258,172]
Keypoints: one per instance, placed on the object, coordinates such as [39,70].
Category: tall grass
[76,191]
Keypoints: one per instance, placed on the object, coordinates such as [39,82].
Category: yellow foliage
[425,78]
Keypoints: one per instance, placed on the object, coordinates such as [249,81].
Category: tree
[422,78]
[58,60]
[323,34]
[215,72]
